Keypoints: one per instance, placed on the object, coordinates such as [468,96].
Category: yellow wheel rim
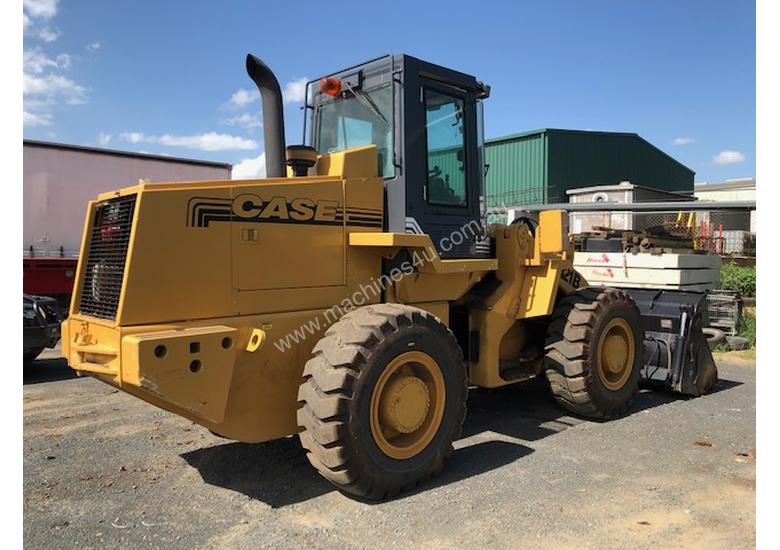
[407,405]
[615,355]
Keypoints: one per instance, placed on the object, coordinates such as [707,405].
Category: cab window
[355,120]
[446,139]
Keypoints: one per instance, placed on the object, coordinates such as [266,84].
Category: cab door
[442,185]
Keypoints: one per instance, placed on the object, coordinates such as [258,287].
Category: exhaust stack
[273,116]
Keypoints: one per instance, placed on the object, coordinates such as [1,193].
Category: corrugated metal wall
[447,161]
[582,159]
[540,166]
[518,169]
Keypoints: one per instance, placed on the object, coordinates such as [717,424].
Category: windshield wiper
[367,101]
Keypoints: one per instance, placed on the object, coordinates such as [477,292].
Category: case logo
[248,207]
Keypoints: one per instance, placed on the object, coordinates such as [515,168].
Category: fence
[718,232]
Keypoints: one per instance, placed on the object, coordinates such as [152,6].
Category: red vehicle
[50,277]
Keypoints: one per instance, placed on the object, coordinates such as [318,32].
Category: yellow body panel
[553,231]
[261,399]
[351,163]
[388,245]
[528,286]
[191,368]
[268,265]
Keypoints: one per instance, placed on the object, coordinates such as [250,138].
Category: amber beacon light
[330,86]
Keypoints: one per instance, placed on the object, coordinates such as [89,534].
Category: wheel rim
[407,405]
[616,354]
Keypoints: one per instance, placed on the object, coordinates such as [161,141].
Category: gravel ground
[102,468]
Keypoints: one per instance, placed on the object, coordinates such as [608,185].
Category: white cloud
[45,9]
[36,11]
[683,141]
[63,61]
[94,46]
[133,137]
[244,120]
[242,98]
[251,168]
[295,90]
[728,157]
[292,92]
[47,35]
[210,141]
[51,86]
[36,62]
[44,88]
[38,104]
[31,119]
[104,138]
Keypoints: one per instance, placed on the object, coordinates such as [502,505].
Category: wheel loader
[355,294]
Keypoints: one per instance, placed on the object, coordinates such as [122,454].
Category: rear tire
[594,352]
[366,422]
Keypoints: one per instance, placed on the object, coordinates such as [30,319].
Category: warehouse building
[738,229]
[742,189]
[540,166]
[60,179]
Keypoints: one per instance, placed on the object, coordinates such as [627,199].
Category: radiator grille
[106,255]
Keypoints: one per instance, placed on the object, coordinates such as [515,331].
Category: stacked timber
[661,239]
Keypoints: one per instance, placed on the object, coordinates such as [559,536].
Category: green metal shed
[541,165]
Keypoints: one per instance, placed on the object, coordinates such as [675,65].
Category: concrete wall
[58,183]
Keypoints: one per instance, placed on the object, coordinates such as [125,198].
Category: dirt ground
[103,469]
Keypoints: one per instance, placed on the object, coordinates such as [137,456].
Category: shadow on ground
[276,472]
[47,370]
[279,474]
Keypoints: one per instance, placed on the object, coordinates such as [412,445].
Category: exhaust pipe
[273,116]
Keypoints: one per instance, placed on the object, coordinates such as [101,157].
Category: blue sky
[167,77]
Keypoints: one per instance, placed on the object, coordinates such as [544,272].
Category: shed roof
[631,135]
[118,153]
[745,183]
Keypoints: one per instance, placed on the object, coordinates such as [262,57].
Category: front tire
[594,352]
[383,399]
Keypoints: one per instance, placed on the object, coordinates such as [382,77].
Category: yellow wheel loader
[355,294]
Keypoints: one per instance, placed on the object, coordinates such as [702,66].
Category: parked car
[42,318]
